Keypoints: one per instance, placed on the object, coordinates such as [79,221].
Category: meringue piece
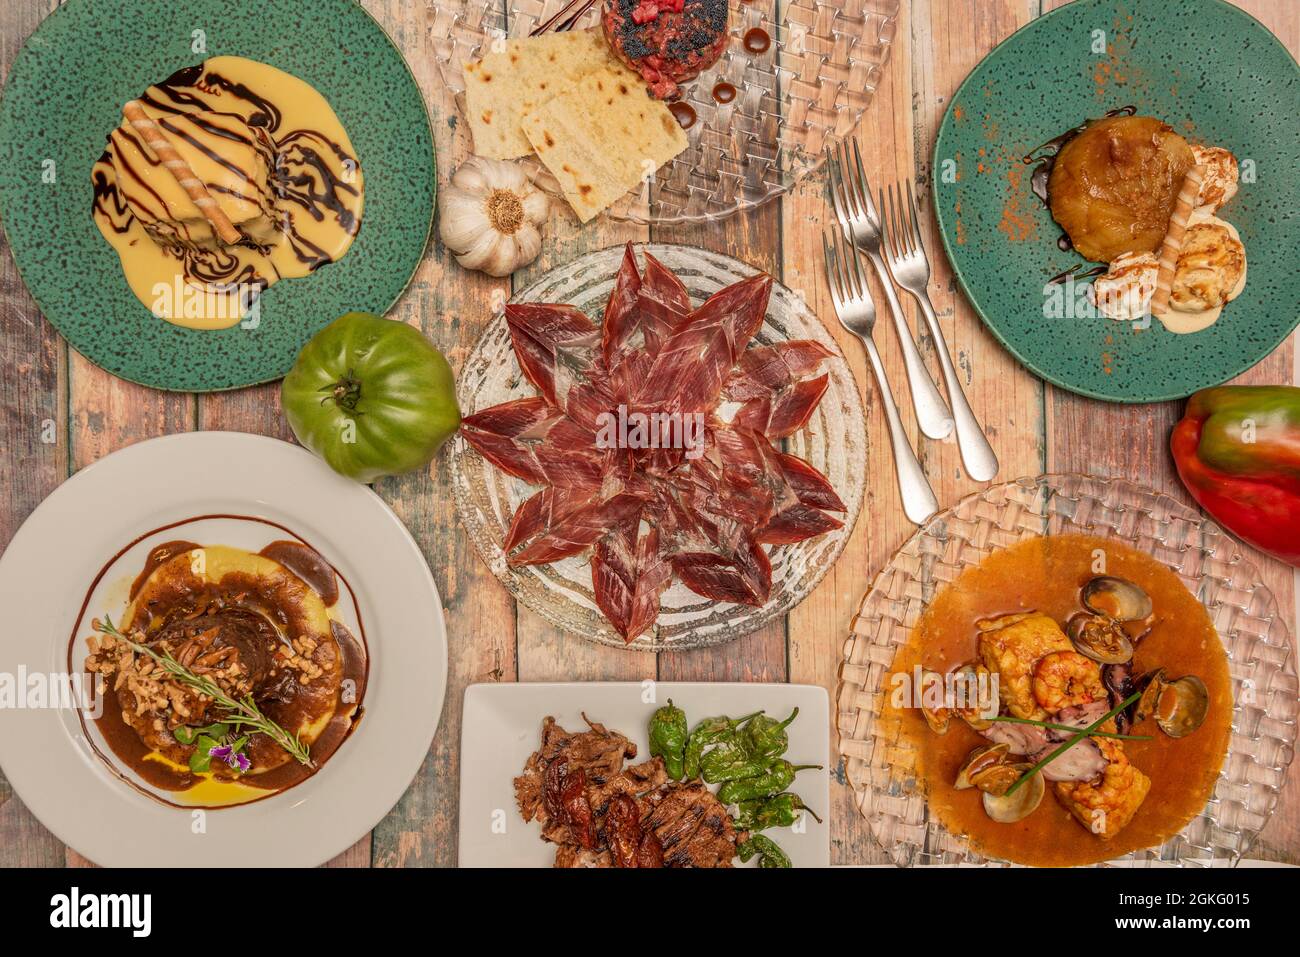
[1124,292]
[1220,176]
[1211,273]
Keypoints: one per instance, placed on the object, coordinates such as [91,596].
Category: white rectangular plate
[503,724]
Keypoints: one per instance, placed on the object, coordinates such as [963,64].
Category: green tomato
[371,397]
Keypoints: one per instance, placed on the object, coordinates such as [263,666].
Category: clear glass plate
[834,442]
[1211,565]
[809,89]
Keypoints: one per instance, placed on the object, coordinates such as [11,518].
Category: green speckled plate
[1211,72]
[65,93]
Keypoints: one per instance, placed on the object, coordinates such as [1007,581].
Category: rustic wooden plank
[754,238]
[896,137]
[544,652]
[450,306]
[33,439]
[1132,442]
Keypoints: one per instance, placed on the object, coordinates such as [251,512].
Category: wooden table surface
[1034,427]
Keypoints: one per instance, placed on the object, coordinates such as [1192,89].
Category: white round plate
[45,575]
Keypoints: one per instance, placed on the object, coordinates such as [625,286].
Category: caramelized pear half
[1114,185]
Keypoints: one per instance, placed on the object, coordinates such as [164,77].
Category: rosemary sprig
[1071,728]
[1079,736]
[245,713]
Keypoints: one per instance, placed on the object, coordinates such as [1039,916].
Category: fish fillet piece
[1106,806]
[1010,647]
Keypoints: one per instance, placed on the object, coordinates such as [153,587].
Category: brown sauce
[758,41]
[684,114]
[1045,575]
[724,93]
[344,707]
[308,565]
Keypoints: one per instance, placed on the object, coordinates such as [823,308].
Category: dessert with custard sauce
[221,180]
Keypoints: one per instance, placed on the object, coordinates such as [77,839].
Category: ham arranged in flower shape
[697,485]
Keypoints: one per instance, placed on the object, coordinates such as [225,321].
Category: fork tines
[844,272]
[902,226]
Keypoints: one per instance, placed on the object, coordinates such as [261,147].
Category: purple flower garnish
[228,754]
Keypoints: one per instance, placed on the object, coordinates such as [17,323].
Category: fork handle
[932,414]
[976,453]
[919,502]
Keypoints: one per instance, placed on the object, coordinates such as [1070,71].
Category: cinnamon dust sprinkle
[1018,223]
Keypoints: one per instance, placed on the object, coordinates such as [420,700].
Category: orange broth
[1046,575]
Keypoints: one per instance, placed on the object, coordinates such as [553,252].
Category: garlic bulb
[490,216]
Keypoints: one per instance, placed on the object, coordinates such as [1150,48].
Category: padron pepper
[780,811]
[1237,450]
[730,761]
[668,734]
[775,778]
[770,854]
[707,733]
[767,736]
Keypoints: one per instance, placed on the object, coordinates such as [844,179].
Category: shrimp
[1067,679]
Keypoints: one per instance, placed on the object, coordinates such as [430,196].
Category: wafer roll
[1173,244]
[185,175]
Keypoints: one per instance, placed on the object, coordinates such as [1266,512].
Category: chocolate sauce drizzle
[299,175]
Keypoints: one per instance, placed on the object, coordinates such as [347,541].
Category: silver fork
[857,314]
[905,255]
[857,214]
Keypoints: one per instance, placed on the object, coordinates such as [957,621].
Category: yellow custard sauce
[268,149]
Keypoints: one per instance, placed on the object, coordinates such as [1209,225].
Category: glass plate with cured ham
[833,442]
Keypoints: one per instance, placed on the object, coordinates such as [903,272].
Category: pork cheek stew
[600,812]
[260,627]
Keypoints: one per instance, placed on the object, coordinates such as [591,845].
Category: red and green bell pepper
[1237,450]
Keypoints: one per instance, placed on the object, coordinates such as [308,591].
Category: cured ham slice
[691,367]
[501,434]
[664,302]
[565,524]
[743,577]
[629,574]
[765,370]
[651,504]
[622,311]
[792,410]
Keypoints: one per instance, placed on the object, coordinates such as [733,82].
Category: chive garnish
[1071,728]
[1079,736]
